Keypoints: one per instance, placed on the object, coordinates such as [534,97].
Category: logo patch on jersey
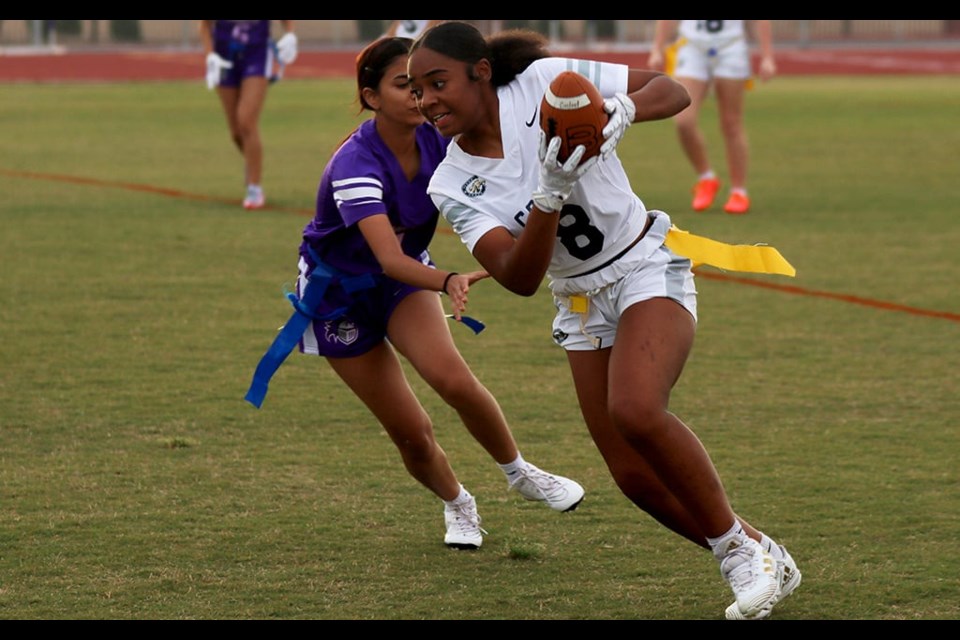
[559,336]
[344,332]
[474,187]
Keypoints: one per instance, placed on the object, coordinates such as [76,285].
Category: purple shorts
[250,60]
[363,323]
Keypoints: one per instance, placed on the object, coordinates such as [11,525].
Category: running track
[145,66]
[166,66]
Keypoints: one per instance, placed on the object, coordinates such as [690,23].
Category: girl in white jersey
[714,53]
[626,305]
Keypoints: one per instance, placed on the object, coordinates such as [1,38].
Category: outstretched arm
[379,234]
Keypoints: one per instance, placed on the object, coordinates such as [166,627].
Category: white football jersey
[475,194]
[711,31]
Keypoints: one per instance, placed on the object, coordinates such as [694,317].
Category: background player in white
[714,53]
[626,305]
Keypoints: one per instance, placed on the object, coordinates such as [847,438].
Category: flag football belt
[700,250]
[304,312]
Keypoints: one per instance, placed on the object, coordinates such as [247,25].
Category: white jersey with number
[711,31]
[476,194]
[712,49]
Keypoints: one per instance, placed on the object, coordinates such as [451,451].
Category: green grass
[136,483]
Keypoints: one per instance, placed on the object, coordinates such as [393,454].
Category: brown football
[572,108]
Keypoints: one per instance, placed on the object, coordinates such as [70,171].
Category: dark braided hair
[509,52]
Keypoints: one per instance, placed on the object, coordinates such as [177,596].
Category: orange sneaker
[738,203]
[704,192]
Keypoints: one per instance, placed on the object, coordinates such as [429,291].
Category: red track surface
[145,66]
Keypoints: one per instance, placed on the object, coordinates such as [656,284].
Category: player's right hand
[215,65]
[557,180]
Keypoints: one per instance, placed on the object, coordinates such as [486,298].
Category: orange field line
[708,275]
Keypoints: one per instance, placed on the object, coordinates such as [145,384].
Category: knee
[686,126]
[731,125]
[246,128]
[417,446]
[638,419]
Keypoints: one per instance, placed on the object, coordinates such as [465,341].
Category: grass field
[136,483]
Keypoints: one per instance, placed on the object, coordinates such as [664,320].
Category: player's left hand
[622,112]
[457,288]
[287,48]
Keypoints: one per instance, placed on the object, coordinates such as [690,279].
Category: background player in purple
[241,62]
[373,225]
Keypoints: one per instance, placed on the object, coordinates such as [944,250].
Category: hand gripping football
[572,108]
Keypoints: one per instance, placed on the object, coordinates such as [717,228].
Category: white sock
[462,497]
[707,175]
[720,544]
[741,190]
[513,468]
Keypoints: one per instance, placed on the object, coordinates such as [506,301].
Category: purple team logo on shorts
[344,332]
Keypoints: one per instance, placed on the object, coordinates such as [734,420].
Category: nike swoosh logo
[533,117]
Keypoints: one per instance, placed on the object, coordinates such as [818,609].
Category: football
[572,108]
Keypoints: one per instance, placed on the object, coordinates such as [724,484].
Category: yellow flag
[670,56]
[730,257]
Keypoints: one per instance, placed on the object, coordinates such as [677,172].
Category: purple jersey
[241,32]
[363,178]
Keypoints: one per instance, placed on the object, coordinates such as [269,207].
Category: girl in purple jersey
[627,325]
[373,224]
[241,61]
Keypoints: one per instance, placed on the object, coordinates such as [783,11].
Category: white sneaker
[463,525]
[561,494]
[753,576]
[789,577]
[254,199]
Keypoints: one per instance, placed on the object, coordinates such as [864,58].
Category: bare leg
[730,99]
[419,330]
[377,379]
[655,459]
[242,108]
[229,98]
[688,128]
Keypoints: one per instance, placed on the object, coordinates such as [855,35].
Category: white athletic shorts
[588,320]
[721,59]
